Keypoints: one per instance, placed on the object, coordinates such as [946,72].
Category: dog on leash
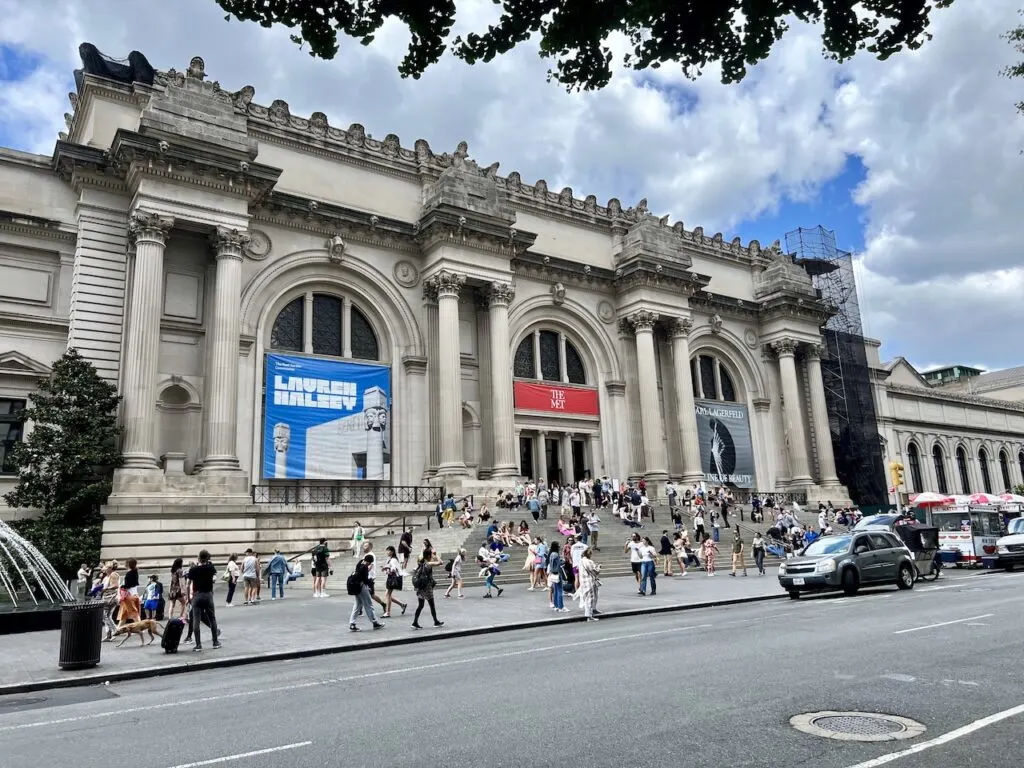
[139,628]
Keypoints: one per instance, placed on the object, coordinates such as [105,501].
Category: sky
[915,163]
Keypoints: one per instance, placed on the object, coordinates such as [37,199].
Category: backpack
[420,577]
[354,585]
[449,565]
[320,556]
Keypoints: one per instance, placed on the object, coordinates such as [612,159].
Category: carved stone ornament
[149,227]
[643,320]
[196,69]
[259,246]
[448,284]
[812,351]
[715,321]
[681,326]
[335,249]
[558,294]
[605,311]
[785,347]
[406,274]
[750,338]
[501,294]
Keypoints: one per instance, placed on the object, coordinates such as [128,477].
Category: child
[489,581]
[153,594]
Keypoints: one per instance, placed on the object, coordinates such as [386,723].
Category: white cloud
[935,129]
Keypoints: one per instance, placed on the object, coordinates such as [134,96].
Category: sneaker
[500,591]
[324,594]
[197,649]
[378,625]
[273,598]
[229,605]
[216,646]
[353,628]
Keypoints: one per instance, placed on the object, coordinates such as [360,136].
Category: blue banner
[326,420]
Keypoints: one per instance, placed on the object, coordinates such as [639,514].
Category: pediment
[19,364]
[902,372]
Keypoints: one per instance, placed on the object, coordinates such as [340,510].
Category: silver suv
[849,562]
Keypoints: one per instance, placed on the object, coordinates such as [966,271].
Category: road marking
[936,589]
[352,678]
[943,624]
[243,755]
[945,738]
[899,678]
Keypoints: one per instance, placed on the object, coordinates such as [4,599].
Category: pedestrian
[555,581]
[648,567]
[635,549]
[372,581]
[594,524]
[152,602]
[131,576]
[321,568]
[457,561]
[533,507]
[737,552]
[359,587]
[540,563]
[232,572]
[405,551]
[357,539]
[279,569]
[699,534]
[757,545]
[175,593]
[666,553]
[423,583]
[710,551]
[200,579]
[492,570]
[590,585]
[250,576]
[393,581]
[679,550]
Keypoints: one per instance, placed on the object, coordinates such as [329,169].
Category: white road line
[945,738]
[943,624]
[936,589]
[243,755]
[899,678]
[352,678]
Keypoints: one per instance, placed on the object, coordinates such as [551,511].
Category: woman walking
[232,571]
[648,567]
[176,593]
[457,561]
[357,540]
[590,584]
[757,544]
[423,583]
[557,601]
[710,551]
[393,581]
[679,550]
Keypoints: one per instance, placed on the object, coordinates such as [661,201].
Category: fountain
[31,591]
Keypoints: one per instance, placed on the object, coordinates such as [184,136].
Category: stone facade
[177,221]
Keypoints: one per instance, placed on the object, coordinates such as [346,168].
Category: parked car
[849,562]
[1010,548]
[883,522]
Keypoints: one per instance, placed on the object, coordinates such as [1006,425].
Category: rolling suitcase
[172,635]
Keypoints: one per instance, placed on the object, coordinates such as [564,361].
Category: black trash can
[81,635]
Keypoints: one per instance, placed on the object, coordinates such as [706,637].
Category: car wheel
[906,577]
[851,583]
[794,595]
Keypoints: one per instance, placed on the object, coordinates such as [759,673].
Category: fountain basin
[30,618]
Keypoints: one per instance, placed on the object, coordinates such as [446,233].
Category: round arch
[734,355]
[572,319]
[194,396]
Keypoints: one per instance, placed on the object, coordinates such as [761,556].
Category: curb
[415,639]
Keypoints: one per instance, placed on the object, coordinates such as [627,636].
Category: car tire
[794,595]
[851,583]
[905,579]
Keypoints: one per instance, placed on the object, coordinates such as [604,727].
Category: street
[713,686]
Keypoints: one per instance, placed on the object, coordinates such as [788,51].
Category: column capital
[145,226]
[447,284]
[680,327]
[643,320]
[500,294]
[229,243]
[812,351]
[784,347]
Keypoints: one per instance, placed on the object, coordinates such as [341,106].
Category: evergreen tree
[66,463]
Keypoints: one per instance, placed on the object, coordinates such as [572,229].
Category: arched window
[986,478]
[940,469]
[961,468]
[711,379]
[324,324]
[549,356]
[914,460]
[1004,470]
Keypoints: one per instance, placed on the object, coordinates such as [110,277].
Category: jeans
[232,583]
[648,570]
[362,604]
[276,584]
[489,583]
[202,609]
[557,595]
[759,559]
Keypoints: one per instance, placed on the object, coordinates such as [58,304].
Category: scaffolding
[844,368]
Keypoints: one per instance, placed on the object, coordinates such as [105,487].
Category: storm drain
[857,726]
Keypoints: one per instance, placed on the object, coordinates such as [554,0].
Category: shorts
[369,585]
[320,573]
[538,566]
[576,570]
[635,567]
[151,605]
[251,581]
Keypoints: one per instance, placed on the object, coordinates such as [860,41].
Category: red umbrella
[984,498]
[929,499]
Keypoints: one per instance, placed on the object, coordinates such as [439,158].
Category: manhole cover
[857,726]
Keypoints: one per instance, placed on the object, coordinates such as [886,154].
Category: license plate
[798,582]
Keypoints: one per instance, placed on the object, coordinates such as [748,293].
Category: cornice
[650,273]
[46,325]
[537,266]
[950,397]
[446,225]
[715,303]
[36,227]
[283,209]
[136,95]
[794,306]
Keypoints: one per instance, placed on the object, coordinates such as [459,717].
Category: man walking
[359,588]
[321,568]
[200,578]
[737,553]
[279,571]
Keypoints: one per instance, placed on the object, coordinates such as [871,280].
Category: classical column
[149,231]
[541,452]
[505,447]
[220,416]
[686,415]
[650,413]
[819,412]
[794,428]
[448,285]
[568,475]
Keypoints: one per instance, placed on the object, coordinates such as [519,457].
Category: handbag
[394,582]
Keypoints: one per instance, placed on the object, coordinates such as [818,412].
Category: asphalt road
[713,687]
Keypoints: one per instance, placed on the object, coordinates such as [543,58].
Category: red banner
[555,398]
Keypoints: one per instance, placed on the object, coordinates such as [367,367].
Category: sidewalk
[301,626]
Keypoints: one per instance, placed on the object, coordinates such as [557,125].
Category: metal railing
[781,497]
[345,494]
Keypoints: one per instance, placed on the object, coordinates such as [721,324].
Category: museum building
[291,308]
